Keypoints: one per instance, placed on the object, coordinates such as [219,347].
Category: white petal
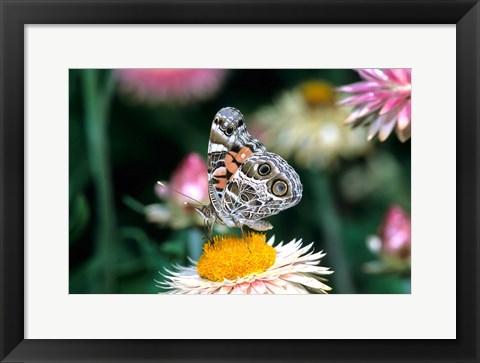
[271,241]
[278,282]
[225,290]
[259,286]
[274,289]
[244,286]
[305,280]
[237,290]
[294,288]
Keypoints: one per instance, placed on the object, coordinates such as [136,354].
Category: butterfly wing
[264,185]
[246,183]
[229,146]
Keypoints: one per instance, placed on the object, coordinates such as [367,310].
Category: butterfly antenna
[198,203]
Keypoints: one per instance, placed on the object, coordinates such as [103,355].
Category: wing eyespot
[229,130]
[264,169]
[279,188]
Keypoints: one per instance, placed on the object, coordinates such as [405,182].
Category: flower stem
[96,103]
[330,225]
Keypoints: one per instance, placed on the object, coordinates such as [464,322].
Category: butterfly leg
[207,231]
[206,237]
[209,222]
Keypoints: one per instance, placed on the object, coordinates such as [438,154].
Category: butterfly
[246,183]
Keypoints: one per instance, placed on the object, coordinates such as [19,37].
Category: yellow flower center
[231,257]
[318,93]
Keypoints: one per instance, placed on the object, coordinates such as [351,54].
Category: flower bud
[190,178]
[395,233]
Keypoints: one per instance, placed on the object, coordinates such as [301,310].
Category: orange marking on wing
[230,163]
[232,168]
[222,183]
[228,159]
[243,154]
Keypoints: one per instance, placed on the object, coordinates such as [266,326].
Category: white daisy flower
[250,265]
[318,137]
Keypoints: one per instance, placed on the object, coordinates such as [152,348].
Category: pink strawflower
[190,178]
[170,85]
[381,101]
[395,234]
[392,245]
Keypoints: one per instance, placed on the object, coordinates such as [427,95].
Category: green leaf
[79,217]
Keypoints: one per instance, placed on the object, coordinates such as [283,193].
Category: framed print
[159,158]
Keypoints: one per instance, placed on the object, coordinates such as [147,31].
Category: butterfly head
[205,211]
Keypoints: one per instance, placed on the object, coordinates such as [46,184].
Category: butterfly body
[246,183]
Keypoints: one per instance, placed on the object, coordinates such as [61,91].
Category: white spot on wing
[217,147]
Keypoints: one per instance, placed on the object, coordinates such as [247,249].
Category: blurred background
[130,128]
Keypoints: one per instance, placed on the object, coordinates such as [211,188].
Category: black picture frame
[16,14]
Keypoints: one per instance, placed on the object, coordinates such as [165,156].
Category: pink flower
[395,233]
[392,245]
[189,178]
[170,85]
[382,101]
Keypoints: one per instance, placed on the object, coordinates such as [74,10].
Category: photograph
[240,181]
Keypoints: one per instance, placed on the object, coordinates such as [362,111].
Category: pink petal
[372,74]
[392,75]
[357,99]
[403,74]
[357,113]
[391,104]
[388,123]
[374,127]
[404,116]
[359,87]
[362,112]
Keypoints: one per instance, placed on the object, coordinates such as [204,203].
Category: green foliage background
[119,148]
